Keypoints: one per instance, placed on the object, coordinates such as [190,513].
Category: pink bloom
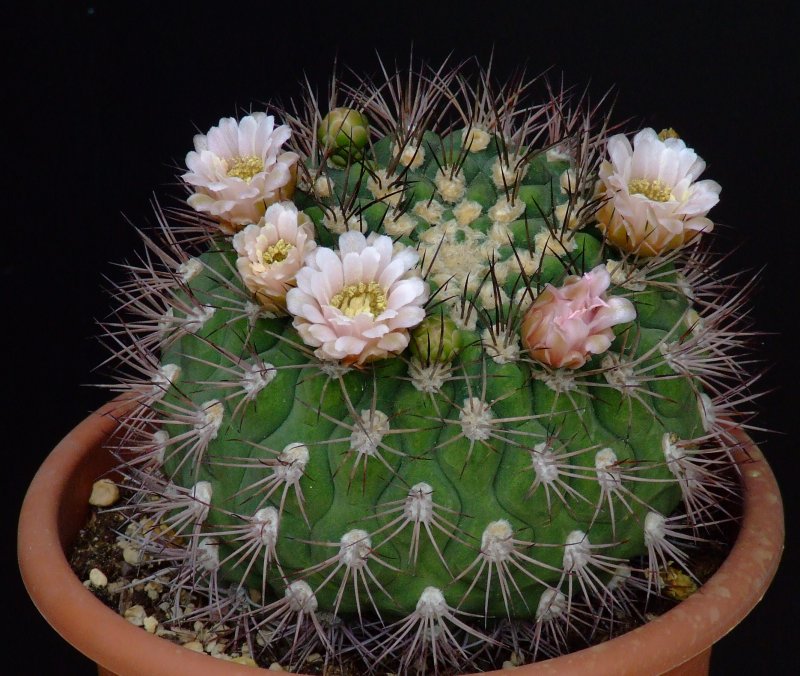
[358,303]
[655,202]
[272,251]
[565,325]
[239,168]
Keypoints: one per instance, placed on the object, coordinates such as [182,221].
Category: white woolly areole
[431,604]
[334,220]
[398,224]
[505,176]
[506,210]
[210,418]
[430,211]
[654,528]
[577,552]
[200,495]
[451,185]
[708,414]
[369,431]
[208,555]
[292,463]
[622,573]
[608,473]
[385,188]
[475,138]
[323,186]
[552,604]
[546,243]
[497,541]
[568,181]
[163,378]
[500,346]
[355,548]
[189,269]
[672,452]
[419,503]
[618,371]
[256,376]
[626,276]
[544,463]
[467,211]
[300,597]
[428,377]
[412,155]
[476,419]
[264,525]
[159,441]
[197,317]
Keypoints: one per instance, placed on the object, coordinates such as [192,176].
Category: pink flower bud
[565,325]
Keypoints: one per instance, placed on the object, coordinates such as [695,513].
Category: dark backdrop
[104,98]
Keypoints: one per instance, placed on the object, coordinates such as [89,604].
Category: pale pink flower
[239,168]
[565,325]
[654,201]
[357,304]
[272,251]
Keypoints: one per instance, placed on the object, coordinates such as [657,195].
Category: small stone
[276,667]
[97,577]
[508,664]
[196,646]
[247,661]
[314,658]
[104,493]
[135,615]
[150,624]
[131,556]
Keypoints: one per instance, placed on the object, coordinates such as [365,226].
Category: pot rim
[101,634]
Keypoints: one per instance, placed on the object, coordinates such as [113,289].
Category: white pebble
[104,493]
[97,578]
[150,624]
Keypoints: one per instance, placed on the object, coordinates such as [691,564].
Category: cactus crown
[430,374]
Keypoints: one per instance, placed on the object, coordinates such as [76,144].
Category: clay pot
[678,642]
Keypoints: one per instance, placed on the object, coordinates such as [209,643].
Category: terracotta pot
[678,642]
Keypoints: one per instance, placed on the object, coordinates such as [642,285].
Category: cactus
[433,374]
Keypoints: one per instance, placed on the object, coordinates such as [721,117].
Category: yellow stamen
[669,132]
[245,167]
[277,252]
[361,297]
[655,190]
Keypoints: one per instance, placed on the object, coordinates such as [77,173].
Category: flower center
[655,190]
[277,253]
[361,297]
[245,167]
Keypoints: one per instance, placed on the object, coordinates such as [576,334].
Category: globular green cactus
[446,396]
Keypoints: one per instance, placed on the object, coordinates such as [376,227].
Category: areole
[678,642]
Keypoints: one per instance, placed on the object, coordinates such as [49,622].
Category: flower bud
[343,133]
[436,339]
[565,325]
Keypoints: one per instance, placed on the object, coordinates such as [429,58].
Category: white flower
[272,251]
[655,202]
[357,304]
[239,168]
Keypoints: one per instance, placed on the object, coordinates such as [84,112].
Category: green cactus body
[463,474]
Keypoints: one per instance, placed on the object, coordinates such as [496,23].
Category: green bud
[436,339]
[343,133]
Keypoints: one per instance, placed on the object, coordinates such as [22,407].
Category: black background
[104,99]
